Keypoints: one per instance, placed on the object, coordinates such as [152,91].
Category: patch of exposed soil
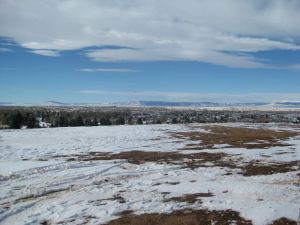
[284,221]
[235,137]
[140,157]
[194,161]
[229,136]
[35,196]
[116,197]
[85,219]
[255,168]
[190,217]
[190,198]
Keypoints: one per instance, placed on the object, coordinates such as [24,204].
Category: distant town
[17,117]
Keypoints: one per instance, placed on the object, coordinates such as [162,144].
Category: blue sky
[53,53]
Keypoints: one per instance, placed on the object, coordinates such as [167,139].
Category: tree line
[34,117]
[31,118]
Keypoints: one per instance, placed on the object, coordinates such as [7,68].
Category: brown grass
[191,217]
[236,137]
[140,157]
[33,197]
[190,198]
[194,161]
[85,219]
[254,168]
[283,221]
[116,197]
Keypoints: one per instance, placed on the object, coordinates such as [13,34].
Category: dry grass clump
[190,198]
[184,217]
[116,197]
[284,221]
[36,196]
[254,168]
[232,136]
[194,161]
[235,137]
[140,157]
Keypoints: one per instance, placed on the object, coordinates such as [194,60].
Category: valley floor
[151,174]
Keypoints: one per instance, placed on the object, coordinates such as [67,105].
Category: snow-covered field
[40,183]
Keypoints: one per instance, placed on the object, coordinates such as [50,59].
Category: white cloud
[112,70]
[46,52]
[142,55]
[5,50]
[203,30]
[192,96]
[296,67]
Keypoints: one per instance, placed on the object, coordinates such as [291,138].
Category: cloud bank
[46,52]
[218,32]
[109,70]
[199,97]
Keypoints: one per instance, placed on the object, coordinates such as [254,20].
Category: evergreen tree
[95,122]
[158,121]
[31,121]
[130,120]
[79,121]
[16,121]
[139,121]
[105,122]
[62,122]
[120,121]
[174,120]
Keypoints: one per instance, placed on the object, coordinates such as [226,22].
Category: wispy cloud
[5,50]
[109,70]
[192,96]
[46,52]
[295,67]
[210,31]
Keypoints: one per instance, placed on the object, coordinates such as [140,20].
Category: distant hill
[199,104]
[55,103]
[287,104]
[255,105]
[5,103]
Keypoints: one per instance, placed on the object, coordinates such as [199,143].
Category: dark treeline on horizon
[36,117]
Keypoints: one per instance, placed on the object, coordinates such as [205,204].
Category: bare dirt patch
[283,221]
[234,137]
[85,219]
[140,157]
[194,161]
[185,217]
[116,197]
[36,196]
[190,198]
[45,222]
[255,168]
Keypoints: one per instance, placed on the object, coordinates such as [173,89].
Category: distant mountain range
[197,104]
[279,104]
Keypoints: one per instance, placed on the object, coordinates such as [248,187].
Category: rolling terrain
[234,173]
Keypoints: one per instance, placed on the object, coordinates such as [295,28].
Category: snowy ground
[38,183]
